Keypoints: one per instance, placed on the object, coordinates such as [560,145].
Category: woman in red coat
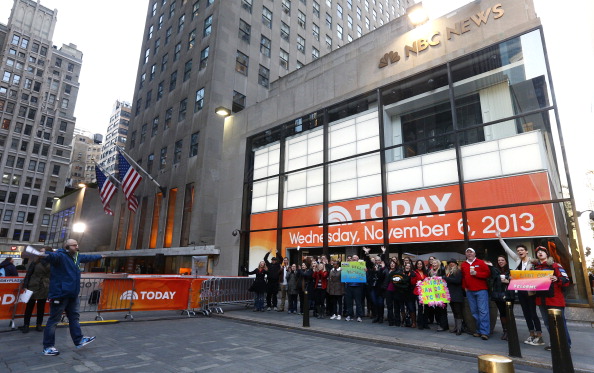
[320,278]
[554,297]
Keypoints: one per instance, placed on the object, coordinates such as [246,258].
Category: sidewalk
[428,340]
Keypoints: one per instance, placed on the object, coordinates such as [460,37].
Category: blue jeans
[259,301]
[479,307]
[70,306]
[354,293]
[545,317]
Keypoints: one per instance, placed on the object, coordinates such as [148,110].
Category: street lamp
[223,111]
[79,228]
[591,215]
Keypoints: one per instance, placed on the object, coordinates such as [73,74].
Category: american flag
[106,190]
[130,179]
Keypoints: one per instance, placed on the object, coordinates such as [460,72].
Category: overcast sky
[109,33]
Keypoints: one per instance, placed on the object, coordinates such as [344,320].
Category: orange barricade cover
[149,294]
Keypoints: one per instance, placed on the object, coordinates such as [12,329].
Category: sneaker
[269,309]
[332,317]
[548,348]
[529,340]
[276,309]
[337,317]
[484,337]
[348,318]
[476,335]
[537,341]
[51,351]
[85,341]
[359,319]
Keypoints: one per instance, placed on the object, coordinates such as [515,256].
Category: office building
[117,133]
[86,150]
[38,94]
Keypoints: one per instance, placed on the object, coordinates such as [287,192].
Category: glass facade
[433,163]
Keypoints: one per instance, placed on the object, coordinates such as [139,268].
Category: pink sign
[530,280]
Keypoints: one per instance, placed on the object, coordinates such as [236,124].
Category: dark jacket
[401,281]
[37,279]
[305,280]
[65,273]
[259,285]
[274,272]
[292,282]
[375,275]
[454,282]
[499,292]
[335,286]
[9,268]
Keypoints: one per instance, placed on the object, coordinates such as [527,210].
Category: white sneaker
[529,340]
[332,317]
[348,318]
[276,309]
[359,319]
[269,309]
[337,317]
[537,341]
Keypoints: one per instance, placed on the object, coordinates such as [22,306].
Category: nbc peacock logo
[129,295]
[338,214]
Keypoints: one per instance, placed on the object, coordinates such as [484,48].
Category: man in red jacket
[554,298]
[475,273]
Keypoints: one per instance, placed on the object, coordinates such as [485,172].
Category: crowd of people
[391,292]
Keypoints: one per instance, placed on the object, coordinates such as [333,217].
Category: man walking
[63,294]
[475,273]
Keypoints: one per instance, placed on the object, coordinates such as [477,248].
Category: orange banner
[524,221]
[146,294]
[196,291]
[8,296]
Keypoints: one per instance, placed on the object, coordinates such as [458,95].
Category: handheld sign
[434,292]
[353,272]
[530,280]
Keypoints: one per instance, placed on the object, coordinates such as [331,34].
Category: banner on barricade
[530,280]
[352,272]
[146,294]
[434,292]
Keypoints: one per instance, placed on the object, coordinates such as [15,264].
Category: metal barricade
[16,310]
[220,291]
[116,295]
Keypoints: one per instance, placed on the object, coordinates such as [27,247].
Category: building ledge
[168,251]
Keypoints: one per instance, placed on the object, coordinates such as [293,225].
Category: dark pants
[272,296]
[421,322]
[319,298]
[70,306]
[394,302]
[457,309]
[29,311]
[356,294]
[441,316]
[335,304]
[528,305]
[292,302]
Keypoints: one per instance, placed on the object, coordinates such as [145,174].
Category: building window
[168,117]
[359,31]
[287,7]
[147,53]
[56,170]
[329,21]
[328,43]
[247,5]
[199,103]
[316,31]
[143,133]
[339,31]
[187,70]
[168,35]
[367,22]
[284,59]
[264,76]
[183,105]
[241,63]
[301,19]
[267,17]
[285,31]
[358,13]
[177,150]
[195,9]
[149,163]
[349,22]
[176,52]
[160,23]
[207,26]
[316,9]
[191,39]
[265,46]
[238,102]
[150,33]
[133,139]
[171,9]
[172,81]
[149,97]
[194,144]
[203,58]
[315,54]
[157,45]
[160,90]
[244,31]
[300,43]
[163,158]
[155,127]
[180,24]
[339,11]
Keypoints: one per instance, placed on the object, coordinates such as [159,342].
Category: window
[143,133]
[339,11]
[160,23]
[329,21]
[207,26]
[328,42]
[367,22]
[154,11]
[263,76]
[316,9]
[339,31]
[177,150]
[300,44]
[149,97]
[359,31]
[187,70]
[167,36]
[191,39]
[247,5]
[163,158]
[168,117]
[265,46]
[358,13]
[181,114]
[149,163]
[180,23]
[316,31]
[19,219]
[20,163]
[244,31]
[65,103]
[267,17]
[199,102]
[176,52]
[241,63]
[194,144]
[171,9]
[238,102]
[147,53]
[58,62]
[195,9]
[287,7]
[155,127]
[157,45]
[284,59]
[63,126]
[164,62]
[150,33]
[160,90]
[45,219]
[7,215]
[349,22]
[10,160]
[133,139]
[203,58]
[24,199]
[153,70]
[285,31]
[56,170]
[172,81]
[15,40]
[350,4]
[301,19]
[315,54]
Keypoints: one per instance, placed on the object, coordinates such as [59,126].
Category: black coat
[274,272]
[454,283]
[9,268]
[499,292]
[259,285]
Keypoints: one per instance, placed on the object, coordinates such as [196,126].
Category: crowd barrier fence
[191,295]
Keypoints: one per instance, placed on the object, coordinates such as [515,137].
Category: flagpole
[111,177]
[133,162]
